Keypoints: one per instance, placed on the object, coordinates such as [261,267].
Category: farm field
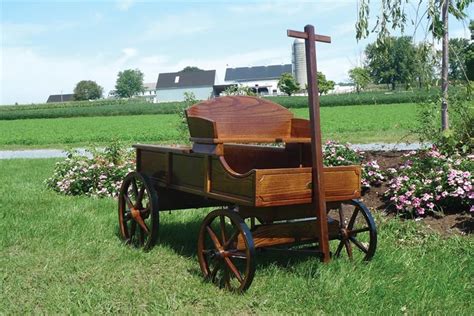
[110,107]
[61,255]
[356,124]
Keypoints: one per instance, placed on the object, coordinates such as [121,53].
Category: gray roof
[60,98]
[186,79]
[256,73]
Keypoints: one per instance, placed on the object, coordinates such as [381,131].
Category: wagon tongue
[317,187]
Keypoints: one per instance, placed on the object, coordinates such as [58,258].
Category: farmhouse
[262,79]
[60,98]
[172,86]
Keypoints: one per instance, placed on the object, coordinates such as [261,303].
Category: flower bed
[100,175]
[429,181]
[336,154]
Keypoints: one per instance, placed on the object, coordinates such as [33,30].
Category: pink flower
[430,205]
[426,197]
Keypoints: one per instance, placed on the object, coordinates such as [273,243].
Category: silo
[299,62]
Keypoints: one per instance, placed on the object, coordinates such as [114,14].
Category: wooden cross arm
[304,35]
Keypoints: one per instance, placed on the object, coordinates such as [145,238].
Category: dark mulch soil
[448,224]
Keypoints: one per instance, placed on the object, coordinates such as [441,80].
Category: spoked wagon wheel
[138,211]
[357,232]
[226,251]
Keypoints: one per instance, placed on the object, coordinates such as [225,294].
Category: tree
[239,90]
[392,62]
[324,85]
[87,90]
[426,63]
[129,83]
[191,69]
[470,62]
[288,84]
[360,76]
[459,51]
[393,15]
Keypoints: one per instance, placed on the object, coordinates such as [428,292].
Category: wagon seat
[240,129]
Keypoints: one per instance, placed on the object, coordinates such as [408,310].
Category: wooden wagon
[265,194]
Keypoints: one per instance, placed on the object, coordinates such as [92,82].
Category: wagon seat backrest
[244,119]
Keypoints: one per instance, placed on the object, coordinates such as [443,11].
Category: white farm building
[172,86]
[261,79]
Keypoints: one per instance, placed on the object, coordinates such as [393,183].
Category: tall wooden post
[319,201]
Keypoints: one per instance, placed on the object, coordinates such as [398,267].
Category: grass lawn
[61,254]
[356,124]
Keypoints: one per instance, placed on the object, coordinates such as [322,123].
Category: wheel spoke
[127,216]
[359,230]
[231,239]
[339,248]
[341,217]
[214,271]
[135,187]
[236,254]
[141,236]
[359,245]
[348,248]
[234,269]
[222,224]
[129,202]
[214,238]
[142,224]
[133,228]
[353,218]
[140,196]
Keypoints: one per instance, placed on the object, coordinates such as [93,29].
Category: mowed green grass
[356,124]
[61,255]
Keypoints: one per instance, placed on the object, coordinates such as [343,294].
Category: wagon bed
[267,176]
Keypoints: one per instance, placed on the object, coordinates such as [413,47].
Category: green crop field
[61,255]
[356,124]
[140,107]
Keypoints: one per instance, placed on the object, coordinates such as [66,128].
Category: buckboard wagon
[265,195]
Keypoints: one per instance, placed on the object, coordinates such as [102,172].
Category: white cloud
[19,33]
[28,76]
[187,23]
[124,5]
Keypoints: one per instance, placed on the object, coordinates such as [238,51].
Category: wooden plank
[287,233]
[304,35]
[293,185]
[153,164]
[248,139]
[187,170]
[201,127]
[300,128]
[156,148]
[226,183]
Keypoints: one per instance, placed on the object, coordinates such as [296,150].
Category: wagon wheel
[357,232]
[138,211]
[226,251]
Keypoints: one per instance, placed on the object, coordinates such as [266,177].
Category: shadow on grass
[182,238]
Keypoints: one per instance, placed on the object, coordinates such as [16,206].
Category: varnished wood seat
[244,119]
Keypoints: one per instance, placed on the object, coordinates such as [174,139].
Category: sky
[49,46]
